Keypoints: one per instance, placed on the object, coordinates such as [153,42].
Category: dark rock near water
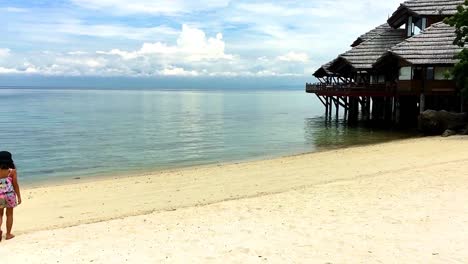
[433,122]
[464,131]
[448,133]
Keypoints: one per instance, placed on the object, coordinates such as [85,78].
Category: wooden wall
[429,87]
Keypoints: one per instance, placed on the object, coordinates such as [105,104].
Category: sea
[57,135]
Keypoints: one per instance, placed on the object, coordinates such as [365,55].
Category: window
[405,74]
[381,79]
[443,73]
[416,30]
[417,74]
[377,79]
[423,23]
[430,73]
[409,27]
[415,25]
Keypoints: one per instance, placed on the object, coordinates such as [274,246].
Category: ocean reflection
[326,134]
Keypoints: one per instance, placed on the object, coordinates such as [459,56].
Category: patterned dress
[7,192]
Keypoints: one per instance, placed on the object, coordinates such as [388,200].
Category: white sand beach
[398,202]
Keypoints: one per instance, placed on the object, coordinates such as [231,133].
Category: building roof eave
[400,16]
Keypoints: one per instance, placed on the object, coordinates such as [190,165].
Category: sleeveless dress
[7,192]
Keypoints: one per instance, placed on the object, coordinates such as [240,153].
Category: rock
[449,133]
[464,131]
[436,122]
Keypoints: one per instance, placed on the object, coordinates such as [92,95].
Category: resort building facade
[398,69]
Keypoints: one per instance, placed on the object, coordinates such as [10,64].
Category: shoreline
[70,180]
[396,202]
[75,203]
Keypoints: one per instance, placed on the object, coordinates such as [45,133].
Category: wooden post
[386,112]
[318,96]
[462,105]
[422,103]
[345,99]
[353,109]
[397,110]
[326,107]
[368,107]
[337,106]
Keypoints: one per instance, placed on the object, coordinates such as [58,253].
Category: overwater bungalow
[396,70]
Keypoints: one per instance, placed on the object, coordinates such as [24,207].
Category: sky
[178,39]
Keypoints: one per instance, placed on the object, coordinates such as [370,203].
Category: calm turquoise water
[57,135]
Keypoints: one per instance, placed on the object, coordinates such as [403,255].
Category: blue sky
[179,38]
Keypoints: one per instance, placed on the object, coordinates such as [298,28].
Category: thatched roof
[323,70]
[433,46]
[423,8]
[363,56]
[374,32]
[433,7]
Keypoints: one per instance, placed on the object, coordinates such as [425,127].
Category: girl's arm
[16,186]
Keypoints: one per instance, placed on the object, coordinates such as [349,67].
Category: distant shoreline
[214,89]
[78,179]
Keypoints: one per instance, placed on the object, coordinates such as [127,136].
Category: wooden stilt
[337,108]
[318,96]
[345,99]
[326,107]
[368,107]
[422,103]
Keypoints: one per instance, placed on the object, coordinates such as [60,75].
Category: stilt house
[396,70]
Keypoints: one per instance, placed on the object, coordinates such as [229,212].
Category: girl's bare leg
[9,223]
[1,222]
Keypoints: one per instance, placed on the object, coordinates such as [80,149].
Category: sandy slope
[400,202]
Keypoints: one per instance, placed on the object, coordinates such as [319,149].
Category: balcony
[351,89]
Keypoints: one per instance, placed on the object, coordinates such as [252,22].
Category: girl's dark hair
[5,165]
[6,161]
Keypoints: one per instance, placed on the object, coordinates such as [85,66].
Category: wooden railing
[349,87]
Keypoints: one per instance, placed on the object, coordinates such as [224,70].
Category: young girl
[9,192]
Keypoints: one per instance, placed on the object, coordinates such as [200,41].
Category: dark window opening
[417,74]
[430,73]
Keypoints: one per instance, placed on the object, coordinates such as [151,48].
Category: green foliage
[460,72]
[448,75]
[460,22]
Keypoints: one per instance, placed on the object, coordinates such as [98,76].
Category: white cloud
[317,28]
[294,57]
[86,62]
[77,27]
[171,7]
[262,38]
[126,55]
[263,59]
[192,45]
[13,9]
[175,71]
[7,70]
[78,52]
[27,69]
[4,52]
